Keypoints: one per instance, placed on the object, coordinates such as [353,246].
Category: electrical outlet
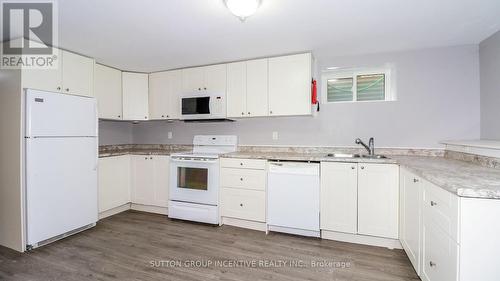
[275,136]
[169,135]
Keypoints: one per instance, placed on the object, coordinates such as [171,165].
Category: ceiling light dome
[242,8]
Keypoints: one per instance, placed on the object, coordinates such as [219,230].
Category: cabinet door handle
[241,179]
[433,203]
[432,264]
[119,116]
[145,117]
[241,204]
[271,112]
[67,89]
[205,88]
[199,89]
[163,116]
[58,88]
[146,158]
[415,180]
[241,164]
[362,167]
[353,167]
[243,113]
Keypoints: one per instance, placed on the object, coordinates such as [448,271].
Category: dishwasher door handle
[294,169]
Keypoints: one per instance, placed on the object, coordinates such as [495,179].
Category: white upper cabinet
[44,79]
[164,90]
[247,88]
[135,96]
[193,79]
[257,88]
[207,78]
[290,85]
[339,195]
[74,74]
[215,78]
[236,89]
[108,91]
[77,74]
[378,200]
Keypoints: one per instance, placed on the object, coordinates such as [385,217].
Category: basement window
[358,85]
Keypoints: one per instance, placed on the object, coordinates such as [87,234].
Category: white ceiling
[150,35]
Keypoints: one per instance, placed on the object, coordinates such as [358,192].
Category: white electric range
[194,179]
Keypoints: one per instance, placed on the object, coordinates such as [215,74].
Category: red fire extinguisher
[314,94]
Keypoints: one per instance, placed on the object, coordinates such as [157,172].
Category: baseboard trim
[149,209]
[361,239]
[294,231]
[114,211]
[255,225]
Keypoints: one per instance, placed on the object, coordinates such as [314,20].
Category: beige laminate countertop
[292,156]
[458,177]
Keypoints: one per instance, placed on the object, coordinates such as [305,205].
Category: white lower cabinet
[243,192]
[138,179]
[244,178]
[339,195]
[243,204]
[428,228]
[440,254]
[410,216]
[360,198]
[378,200]
[114,182]
[150,180]
[440,244]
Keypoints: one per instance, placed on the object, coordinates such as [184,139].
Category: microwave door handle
[210,105]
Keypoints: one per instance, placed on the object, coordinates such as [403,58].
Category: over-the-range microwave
[203,106]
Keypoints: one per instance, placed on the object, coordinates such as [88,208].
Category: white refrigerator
[61,156]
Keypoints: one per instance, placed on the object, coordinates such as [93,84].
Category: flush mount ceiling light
[242,8]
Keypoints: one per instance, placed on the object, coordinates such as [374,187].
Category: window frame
[389,88]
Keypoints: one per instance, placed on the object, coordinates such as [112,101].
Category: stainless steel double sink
[348,155]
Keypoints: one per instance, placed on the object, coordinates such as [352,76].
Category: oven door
[194,181]
[196,107]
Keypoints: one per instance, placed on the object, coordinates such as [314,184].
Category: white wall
[438,99]
[489,56]
[112,132]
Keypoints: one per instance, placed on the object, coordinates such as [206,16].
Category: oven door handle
[193,161]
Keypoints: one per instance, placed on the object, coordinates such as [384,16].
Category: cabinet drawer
[243,178]
[243,204]
[440,255]
[441,208]
[256,164]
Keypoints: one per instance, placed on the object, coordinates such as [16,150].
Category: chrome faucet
[370,147]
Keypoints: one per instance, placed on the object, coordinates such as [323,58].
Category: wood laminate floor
[141,246]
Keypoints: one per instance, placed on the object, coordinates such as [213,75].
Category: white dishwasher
[293,198]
